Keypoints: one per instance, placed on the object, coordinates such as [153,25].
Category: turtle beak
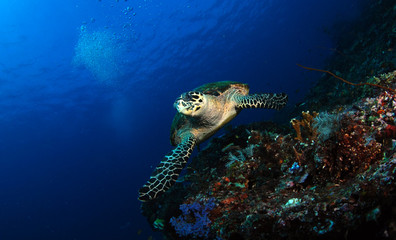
[181,105]
[188,103]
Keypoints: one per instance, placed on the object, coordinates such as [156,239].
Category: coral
[388,132]
[269,185]
[350,83]
[305,127]
[365,54]
[326,125]
[194,220]
[353,151]
[331,176]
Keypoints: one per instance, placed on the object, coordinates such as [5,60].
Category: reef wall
[329,174]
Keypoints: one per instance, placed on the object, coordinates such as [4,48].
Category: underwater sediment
[329,174]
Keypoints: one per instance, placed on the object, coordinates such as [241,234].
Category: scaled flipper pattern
[265,100]
[167,172]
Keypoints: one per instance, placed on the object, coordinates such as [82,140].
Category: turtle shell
[215,89]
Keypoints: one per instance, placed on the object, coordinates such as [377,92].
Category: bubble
[100,52]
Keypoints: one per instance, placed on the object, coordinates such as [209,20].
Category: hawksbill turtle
[201,113]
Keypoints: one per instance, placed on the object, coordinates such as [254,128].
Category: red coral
[388,132]
[353,153]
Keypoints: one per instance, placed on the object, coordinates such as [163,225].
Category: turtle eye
[195,96]
[189,96]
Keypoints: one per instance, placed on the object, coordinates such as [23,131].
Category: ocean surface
[87,90]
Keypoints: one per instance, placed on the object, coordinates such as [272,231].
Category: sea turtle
[201,113]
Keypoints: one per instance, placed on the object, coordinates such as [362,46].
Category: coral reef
[364,52]
[263,181]
[194,220]
[329,174]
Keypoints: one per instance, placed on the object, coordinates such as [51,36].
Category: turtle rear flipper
[167,172]
[264,100]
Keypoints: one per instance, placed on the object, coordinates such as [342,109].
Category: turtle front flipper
[264,100]
[167,172]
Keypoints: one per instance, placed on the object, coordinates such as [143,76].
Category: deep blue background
[87,87]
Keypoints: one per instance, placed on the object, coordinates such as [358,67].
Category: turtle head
[190,103]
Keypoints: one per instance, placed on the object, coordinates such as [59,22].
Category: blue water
[87,88]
